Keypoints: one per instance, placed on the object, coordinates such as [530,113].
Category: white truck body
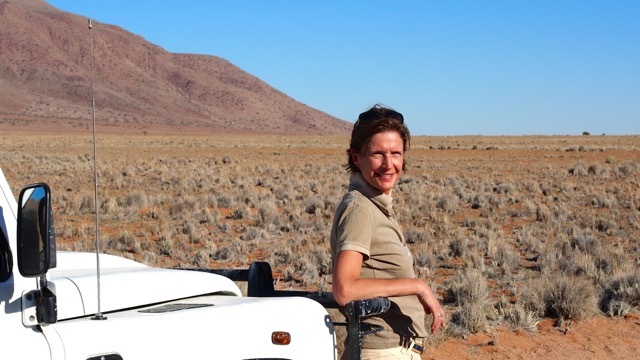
[151,313]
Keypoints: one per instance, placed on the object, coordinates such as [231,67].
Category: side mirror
[36,238]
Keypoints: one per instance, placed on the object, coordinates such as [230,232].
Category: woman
[370,256]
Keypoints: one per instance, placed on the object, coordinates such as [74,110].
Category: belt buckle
[416,347]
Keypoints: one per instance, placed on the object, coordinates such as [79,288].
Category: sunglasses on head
[378,114]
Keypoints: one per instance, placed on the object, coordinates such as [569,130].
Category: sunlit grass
[506,229]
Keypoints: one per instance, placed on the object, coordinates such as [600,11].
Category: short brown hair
[373,121]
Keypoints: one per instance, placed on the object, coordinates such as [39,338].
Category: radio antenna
[98,315]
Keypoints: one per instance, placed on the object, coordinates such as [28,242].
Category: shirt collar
[380,199]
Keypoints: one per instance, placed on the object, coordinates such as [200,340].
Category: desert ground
[532,243]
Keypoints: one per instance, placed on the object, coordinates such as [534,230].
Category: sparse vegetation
[507,230]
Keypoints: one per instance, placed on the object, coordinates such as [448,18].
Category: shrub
[415,236]
[517,316]
[149,258]
[221,254]
[225,202]
[504,257]
[136,200]
[201,259]
[621,295]
[628,168]
[597,170]
[313,205]
[532,296]
[469,292]
[479,201]
[268,215]
[506,189]
[166,244]
[448,203]
[425,259]
[458,247]
[240,213]
[569,297]
[579,169]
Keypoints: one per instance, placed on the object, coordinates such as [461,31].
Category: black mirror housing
[36,235]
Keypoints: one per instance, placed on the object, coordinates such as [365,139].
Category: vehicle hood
[124,284]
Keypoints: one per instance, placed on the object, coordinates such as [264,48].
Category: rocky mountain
[45,80]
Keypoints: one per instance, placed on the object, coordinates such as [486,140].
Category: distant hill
[45,81]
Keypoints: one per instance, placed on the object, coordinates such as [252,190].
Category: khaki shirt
[364,222]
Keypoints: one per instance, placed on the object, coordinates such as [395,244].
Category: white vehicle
[49,303]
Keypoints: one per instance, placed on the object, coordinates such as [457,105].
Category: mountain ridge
[45,79]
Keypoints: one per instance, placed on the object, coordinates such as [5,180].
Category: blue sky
[451,67]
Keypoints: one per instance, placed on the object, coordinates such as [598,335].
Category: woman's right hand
[432,306]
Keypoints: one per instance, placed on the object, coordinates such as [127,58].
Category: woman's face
[380,162]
